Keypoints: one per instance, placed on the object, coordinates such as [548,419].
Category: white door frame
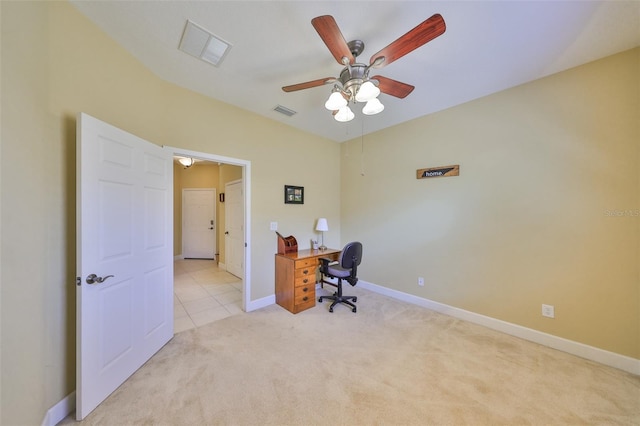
[246,186]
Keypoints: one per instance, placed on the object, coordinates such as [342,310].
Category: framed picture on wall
[293,194]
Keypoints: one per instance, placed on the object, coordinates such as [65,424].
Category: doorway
[246,223]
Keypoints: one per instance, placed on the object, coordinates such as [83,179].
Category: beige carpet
[391,363]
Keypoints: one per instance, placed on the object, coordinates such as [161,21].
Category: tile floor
[203,293]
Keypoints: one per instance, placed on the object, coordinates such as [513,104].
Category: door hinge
[78,281]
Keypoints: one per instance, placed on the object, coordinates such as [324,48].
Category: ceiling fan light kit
[367,92]
[335,101]
[372,107]
[354,84]
[344,114]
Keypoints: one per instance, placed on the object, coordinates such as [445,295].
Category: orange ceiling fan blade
[330,33]
[309,84]
[393,87]
[420,35]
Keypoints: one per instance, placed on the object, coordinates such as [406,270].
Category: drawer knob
[305,289]
[306,271]
[305,280]
[305,298]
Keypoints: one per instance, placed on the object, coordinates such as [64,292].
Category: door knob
[94,279]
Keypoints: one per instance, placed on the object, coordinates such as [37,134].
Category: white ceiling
[488,46]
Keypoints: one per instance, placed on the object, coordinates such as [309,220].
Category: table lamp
[322,227]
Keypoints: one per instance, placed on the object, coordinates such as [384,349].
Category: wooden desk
[296,278]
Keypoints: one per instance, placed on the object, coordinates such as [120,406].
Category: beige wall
[528,221]
[55,64]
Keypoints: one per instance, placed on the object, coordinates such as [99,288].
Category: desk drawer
[309,272]
[299,307]
[306,263]
[305,294]
[305,280]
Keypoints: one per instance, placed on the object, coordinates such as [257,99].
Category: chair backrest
[351,255]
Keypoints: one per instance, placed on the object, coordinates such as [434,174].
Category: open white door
[234,233]
[124,257]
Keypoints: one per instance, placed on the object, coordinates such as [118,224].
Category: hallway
[203,293]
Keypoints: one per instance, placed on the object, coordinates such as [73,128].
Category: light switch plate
[273,226]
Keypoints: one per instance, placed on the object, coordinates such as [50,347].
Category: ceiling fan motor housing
[352,78]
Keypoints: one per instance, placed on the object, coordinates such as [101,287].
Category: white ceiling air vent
[202,44]
[284,110]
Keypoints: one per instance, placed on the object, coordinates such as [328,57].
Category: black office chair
[345,269]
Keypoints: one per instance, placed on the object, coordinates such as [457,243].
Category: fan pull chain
[362,149]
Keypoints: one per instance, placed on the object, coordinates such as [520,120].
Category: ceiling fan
[354,84]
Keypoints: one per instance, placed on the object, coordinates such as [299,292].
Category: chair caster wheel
[355,299]
[353,310]
[330,309]
[320,300]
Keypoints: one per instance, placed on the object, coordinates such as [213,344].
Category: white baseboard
[222,266]
[261,303]
[60,411]
[178,257]
[601,356]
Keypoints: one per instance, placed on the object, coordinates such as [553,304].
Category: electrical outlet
[548,311]
[420,281]
[273,226]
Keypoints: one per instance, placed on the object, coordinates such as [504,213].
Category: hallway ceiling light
[186,162]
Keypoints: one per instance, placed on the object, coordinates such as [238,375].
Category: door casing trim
[246,188]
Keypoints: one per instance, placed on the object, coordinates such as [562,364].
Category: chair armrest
[325,261]
[324,264]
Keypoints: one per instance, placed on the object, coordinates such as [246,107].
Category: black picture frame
[293,194]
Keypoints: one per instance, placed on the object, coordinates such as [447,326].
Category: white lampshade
[322,225]
[367,91]
[372,107]
[335,102]
[344,114]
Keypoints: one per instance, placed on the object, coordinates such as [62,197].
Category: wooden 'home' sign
[438,172]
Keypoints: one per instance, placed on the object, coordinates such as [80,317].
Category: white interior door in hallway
[199,223]
[234,232]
